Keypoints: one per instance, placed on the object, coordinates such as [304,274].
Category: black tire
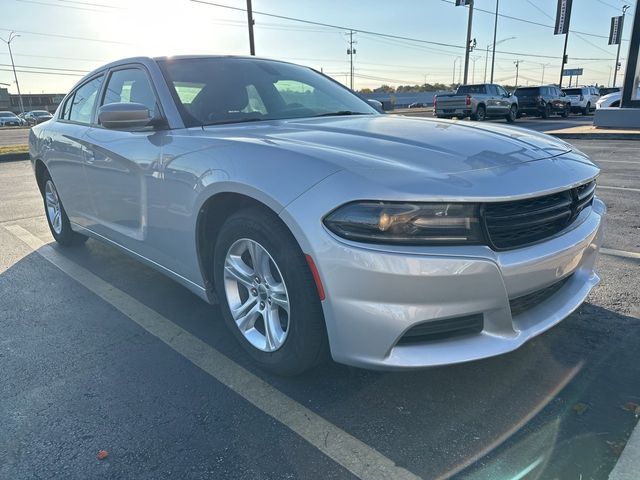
[546,113]
[305,344]
[65,236]
[480,115]
[565,113]
[587,110]
[513,114]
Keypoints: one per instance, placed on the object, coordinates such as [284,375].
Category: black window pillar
[630,97]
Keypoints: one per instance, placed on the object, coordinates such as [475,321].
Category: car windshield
[572,91]
[6,115]
[41,114]
[212,91]
[471,89]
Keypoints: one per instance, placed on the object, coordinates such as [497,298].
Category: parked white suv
[583,99]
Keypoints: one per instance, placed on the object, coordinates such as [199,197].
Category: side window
[83,101]
[130,85]
[64,113]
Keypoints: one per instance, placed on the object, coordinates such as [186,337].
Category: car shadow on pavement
[556,405]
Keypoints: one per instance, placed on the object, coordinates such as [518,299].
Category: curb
[595,136]
[628,465]
[14,157]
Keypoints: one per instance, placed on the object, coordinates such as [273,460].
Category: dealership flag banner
[616,28]
[562,17]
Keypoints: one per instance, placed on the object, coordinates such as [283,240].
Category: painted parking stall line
[359,458]
[620,253]
[627,189]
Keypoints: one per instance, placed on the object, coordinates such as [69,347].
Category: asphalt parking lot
[98,352]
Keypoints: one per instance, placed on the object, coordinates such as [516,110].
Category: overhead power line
[43,73]
[379,34]
[70,37]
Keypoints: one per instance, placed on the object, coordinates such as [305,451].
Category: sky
[61,40]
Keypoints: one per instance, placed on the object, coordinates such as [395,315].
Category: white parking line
[607,187]
[360,459]
[620,253]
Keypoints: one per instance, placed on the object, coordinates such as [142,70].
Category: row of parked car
[34,117]
[485,100]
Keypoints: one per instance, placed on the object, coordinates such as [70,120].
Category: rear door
[65,158]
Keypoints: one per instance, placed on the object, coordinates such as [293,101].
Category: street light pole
[495,31]
[453,79]
[517,64]
[12,36]
[615,71]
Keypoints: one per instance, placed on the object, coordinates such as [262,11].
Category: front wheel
[268,295]
[546,113]
[586,110]
[513,114]
[57,217]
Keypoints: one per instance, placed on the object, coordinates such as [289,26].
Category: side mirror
[375,104]
[124,115]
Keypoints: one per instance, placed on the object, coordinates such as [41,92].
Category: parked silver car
[319,224]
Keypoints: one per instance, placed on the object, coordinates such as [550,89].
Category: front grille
[524,222]
[526,302]
[442,329]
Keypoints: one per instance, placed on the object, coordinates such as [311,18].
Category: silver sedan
[321,226]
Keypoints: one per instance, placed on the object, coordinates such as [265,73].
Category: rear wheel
[566,111]
[268,296]
[480,115]
[56,216]
[513,114]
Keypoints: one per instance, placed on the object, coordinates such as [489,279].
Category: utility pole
[13,36]
[351,52]
[615,71]
[469,47]
[544,65]
[495,31]
[252,47]
[517,64]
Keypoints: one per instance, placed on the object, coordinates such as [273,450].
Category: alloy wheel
[257,295]
[54,211]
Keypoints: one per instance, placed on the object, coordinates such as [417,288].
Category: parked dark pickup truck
[478,102]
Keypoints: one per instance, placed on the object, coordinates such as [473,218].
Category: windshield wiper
[340,113]
[241,120]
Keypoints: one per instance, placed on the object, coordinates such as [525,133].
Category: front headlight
[407,223]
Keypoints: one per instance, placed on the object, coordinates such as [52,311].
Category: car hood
[403,145]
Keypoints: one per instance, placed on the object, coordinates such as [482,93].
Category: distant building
[31,101]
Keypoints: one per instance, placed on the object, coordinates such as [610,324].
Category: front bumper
[376,294]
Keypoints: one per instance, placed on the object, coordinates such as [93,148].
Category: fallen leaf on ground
[102,454]
[616,447]
[631,406]
[580,408]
